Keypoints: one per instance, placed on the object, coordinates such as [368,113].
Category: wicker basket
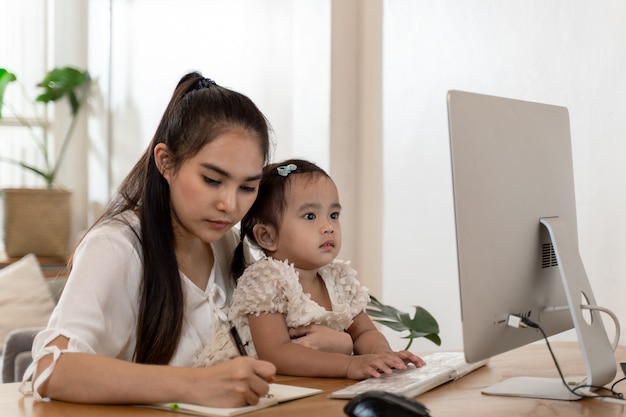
[37,221]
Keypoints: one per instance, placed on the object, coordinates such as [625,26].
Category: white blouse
[99,306]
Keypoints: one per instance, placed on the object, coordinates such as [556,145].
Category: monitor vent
[548,256]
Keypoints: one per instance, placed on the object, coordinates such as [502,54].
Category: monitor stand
[594,343]
[534,387]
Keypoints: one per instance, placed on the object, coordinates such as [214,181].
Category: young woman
[295,221]
[150,282]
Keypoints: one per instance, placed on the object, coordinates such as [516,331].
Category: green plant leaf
[434,338]
[57,83]
[422,319]
[393,325]
[384,312]
[60,82]
[6,77]
[422,324]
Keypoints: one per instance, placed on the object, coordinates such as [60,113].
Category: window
[23,51]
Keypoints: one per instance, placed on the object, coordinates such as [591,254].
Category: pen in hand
[237,340]
[242,350]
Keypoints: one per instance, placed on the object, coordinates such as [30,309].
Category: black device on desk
[384,404]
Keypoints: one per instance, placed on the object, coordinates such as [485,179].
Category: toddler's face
[310,233]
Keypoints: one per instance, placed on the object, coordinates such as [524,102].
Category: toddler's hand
[409,357]
[375,365]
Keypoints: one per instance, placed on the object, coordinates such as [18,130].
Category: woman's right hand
[238,382]
[234,383]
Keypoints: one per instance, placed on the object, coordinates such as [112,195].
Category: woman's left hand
[322,338]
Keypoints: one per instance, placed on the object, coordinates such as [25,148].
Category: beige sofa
[16,354]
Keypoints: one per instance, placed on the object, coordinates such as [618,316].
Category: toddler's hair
[270,203]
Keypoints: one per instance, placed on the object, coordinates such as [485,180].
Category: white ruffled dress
[272,286]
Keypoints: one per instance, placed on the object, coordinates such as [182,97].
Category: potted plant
[37,219]
[422,324]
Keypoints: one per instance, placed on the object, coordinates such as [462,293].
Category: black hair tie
[205,83]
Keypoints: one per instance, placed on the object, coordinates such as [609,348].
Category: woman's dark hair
[198,112]
[269,206]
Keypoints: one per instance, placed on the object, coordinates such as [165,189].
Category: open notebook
[278,394]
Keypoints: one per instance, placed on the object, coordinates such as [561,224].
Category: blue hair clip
[285,170]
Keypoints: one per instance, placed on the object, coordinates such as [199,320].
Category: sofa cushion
[16,355]
[25,298]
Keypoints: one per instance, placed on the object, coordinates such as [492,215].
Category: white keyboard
[440,368]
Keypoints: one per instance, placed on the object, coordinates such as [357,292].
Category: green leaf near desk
[422,324]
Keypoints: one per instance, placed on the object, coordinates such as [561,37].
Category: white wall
[567,53]
[277,55]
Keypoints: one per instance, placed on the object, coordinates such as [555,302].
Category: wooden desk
[457,398]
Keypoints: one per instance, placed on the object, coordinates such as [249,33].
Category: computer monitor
[517,239]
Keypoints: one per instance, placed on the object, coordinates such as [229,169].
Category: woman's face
[213,190]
